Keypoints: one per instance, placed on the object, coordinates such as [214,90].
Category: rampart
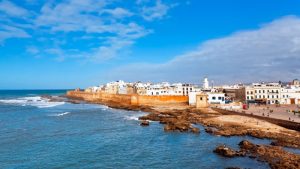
[133,99]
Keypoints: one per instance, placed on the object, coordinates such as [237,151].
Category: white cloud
[32,50]
[7,32]
[11,9]
[158,11]
[119,12]
[271,52]
[89,17]
[109,26]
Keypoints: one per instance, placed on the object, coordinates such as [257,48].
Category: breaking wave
[60,114]
[36,101]
[134,116]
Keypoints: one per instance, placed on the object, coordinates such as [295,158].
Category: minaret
[205,83]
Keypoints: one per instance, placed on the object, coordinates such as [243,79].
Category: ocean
[36,133]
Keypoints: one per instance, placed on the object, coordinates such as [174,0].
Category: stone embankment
[127,99]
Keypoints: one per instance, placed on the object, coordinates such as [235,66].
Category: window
[220,98]
[214,98]
[201,98]
[247,92]
[248,97]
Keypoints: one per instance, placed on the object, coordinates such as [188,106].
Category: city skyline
[42,46]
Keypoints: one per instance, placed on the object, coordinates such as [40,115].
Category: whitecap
[36,101]
[134,116]
[59,114]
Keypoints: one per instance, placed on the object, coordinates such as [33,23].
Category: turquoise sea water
[37,134]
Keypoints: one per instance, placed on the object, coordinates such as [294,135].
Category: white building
[117,87]
[263,92]
[290,95]
[186,88]
[213,98]
[295,83]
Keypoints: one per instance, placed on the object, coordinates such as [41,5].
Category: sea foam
[60,114]
[36,101]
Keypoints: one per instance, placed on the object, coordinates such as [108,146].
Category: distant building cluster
[260,93]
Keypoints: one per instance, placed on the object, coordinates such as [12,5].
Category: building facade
[267,93]
[212,98]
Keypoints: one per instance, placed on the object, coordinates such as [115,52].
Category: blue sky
[80,43]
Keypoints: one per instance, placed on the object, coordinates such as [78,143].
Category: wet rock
[210,130]
[74,101]
[274,155]
[151,116]
[245,144]
[225,151]
[144,123]
[195,130]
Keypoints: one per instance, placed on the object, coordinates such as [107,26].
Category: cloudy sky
[80,43]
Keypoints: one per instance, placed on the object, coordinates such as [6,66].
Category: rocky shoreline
[275,156]
[182,119]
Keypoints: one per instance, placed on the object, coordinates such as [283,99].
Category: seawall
[124,99]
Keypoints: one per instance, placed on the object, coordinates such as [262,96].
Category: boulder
[225,151]
[169,127]
[228,152]
[209,130]
[144,123]
[195,130]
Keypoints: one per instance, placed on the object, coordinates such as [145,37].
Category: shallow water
[94,136]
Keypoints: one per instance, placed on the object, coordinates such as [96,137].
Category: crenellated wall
[128,99]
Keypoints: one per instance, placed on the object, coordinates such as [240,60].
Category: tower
[201,101]
[205,83]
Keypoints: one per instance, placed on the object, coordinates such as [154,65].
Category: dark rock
[169,127]
[225,151]
[144,123]
[195,130]
[209,130]
[274,155]
[74,101]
